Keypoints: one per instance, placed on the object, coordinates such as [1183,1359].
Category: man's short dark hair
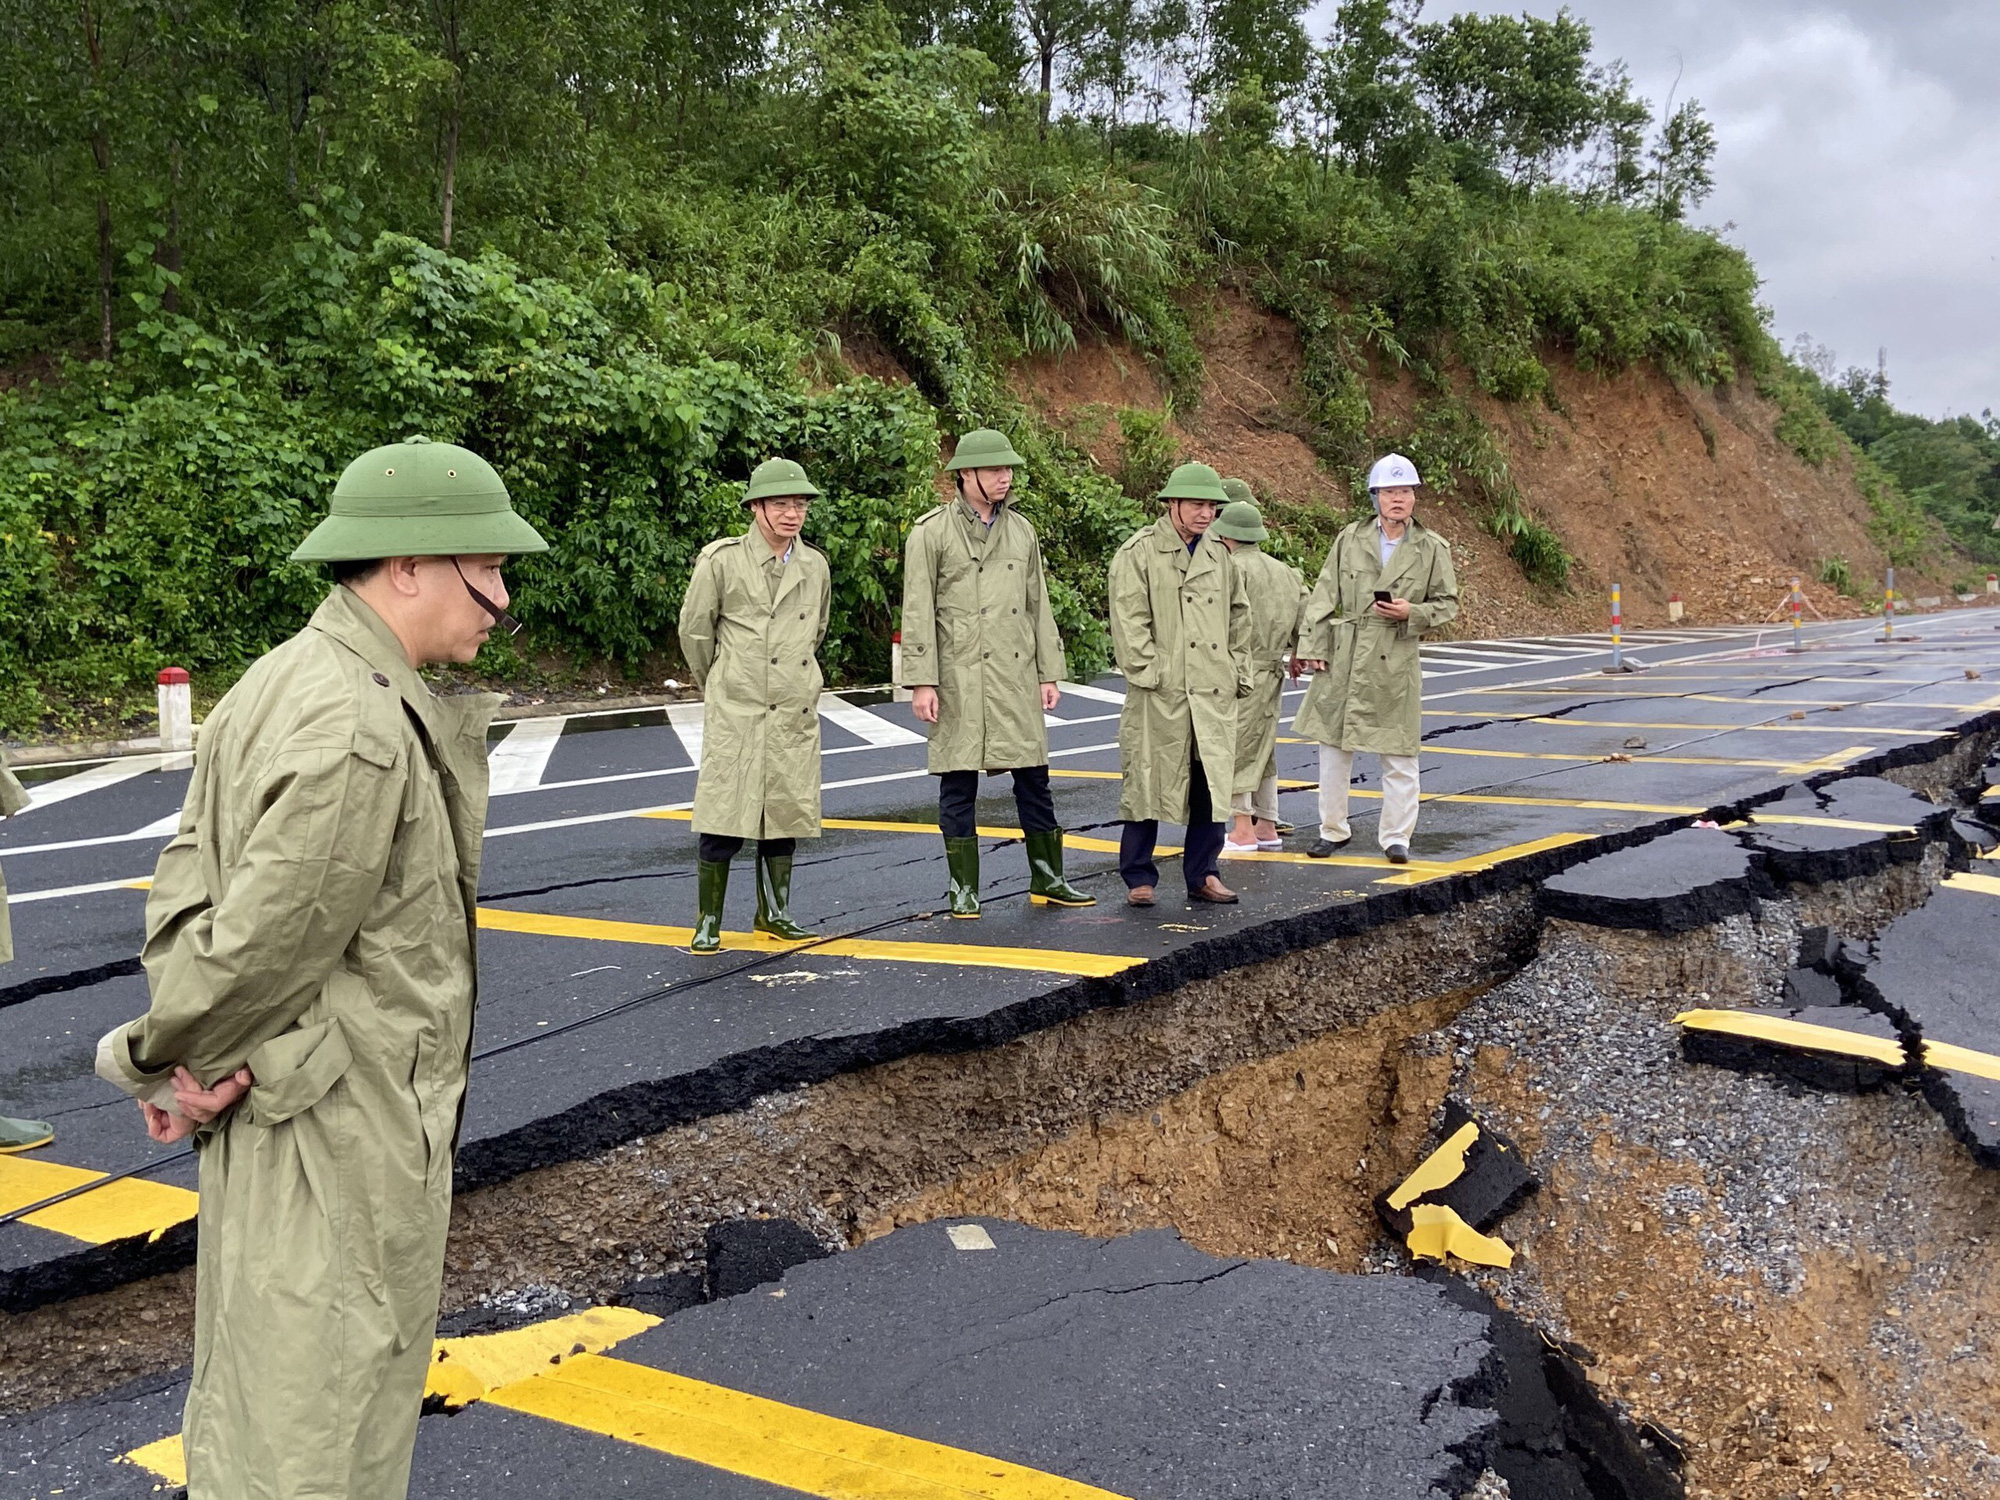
[353,569]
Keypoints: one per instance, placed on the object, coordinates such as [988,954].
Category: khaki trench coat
[1277,593]
[1370,697]
[977,627]
[1180,629]
[756,660]
[13,799]
[314,919]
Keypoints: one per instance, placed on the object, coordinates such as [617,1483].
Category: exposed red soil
[1620,466]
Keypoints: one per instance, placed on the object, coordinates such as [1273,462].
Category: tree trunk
[1048,83]
[450,169]
[100,148]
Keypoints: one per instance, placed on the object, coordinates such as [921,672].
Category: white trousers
[1262,803]
[1399,796]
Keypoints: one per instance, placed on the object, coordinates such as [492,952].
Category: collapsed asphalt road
[597,1027]
[973,1358]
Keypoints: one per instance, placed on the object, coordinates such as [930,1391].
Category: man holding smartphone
[1386,582]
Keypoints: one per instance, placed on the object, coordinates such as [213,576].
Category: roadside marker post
[176,710]
[897,692]
[1674,608]
[1617,622]
[1993,583]
[1798,619]
[1889,603]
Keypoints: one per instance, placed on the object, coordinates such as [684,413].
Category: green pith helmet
[418,499]
[778,476]
[1237,489]
[1194,482]
[984,448]
[1240,521]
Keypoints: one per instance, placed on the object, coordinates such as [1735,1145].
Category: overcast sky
[1858,160]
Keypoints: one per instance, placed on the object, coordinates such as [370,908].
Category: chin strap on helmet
[500,616]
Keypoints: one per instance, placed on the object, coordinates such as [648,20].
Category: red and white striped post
[176,710]
[1993,583]
[1675,609]
[1798,617]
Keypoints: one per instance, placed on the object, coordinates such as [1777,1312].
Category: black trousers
[1201,858]
[721,848]
[958,791]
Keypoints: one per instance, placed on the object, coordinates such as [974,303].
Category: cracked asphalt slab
[1136,1366]
[587,897]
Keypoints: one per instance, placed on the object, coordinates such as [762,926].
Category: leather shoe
[1325,848]
[1397,854]
[1139,895]
[1214,892]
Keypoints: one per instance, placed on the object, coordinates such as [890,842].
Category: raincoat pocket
[294,1071]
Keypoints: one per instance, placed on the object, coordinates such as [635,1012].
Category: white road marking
[108,773]
[686,719]
[1085,690]
[131,883]
[857,721]
[517,762]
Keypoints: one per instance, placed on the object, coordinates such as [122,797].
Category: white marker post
[1674,607]
[897,692]
[1993,583]
[176,710]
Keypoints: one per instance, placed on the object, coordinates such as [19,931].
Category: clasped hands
[193,1104]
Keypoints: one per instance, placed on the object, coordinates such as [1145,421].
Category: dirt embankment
[1657,485]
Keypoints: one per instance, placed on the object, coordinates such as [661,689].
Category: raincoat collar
[793,574]
[1193,563]
[346,617]
[1405,558]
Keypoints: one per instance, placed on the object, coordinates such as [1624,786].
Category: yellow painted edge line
[124,1209]
[1043,960]
[1441,1168]
[1962,1060]
[1811,822]
[464,1370]
[1639,758]
[1789,1033]
[1985,885]
[1478,862]
[1585,804]
[769,1440]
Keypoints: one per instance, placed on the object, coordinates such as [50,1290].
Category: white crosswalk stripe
[857,721]
[1085,690]
[109,773]
[686,719]
[518,761]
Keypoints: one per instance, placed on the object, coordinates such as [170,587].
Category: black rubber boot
[961,862]
[711,885]
[774,899]
[1046,886]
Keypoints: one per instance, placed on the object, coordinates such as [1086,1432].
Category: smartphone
[1381,596]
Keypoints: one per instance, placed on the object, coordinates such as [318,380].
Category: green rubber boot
[1046,886]
[711,879]
[23,1135]
[774,899]
[961,862]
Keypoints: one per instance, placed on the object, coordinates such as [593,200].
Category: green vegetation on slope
[621,245]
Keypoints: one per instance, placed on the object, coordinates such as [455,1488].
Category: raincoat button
[380,680]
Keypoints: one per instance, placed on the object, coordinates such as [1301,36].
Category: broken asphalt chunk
[1834,1048]
[1474,1178]
[1686,879]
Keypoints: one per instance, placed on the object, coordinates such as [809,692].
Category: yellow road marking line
[1642,757]
[1810,822]
[1044,960]
[1478,862]
[1985,885]
[1962,1060]
[1790,1033]
[769,1440]
[1441,1168]
[465,1370]
[1448,713]
[128,1207]
[1585,804]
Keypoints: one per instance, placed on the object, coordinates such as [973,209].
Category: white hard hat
[1393,472]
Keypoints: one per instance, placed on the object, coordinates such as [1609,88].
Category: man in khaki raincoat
[983,658]
[1386,581]
[310,948]
[1180,628]
[15,1135]
[752,620]
[1276,593]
